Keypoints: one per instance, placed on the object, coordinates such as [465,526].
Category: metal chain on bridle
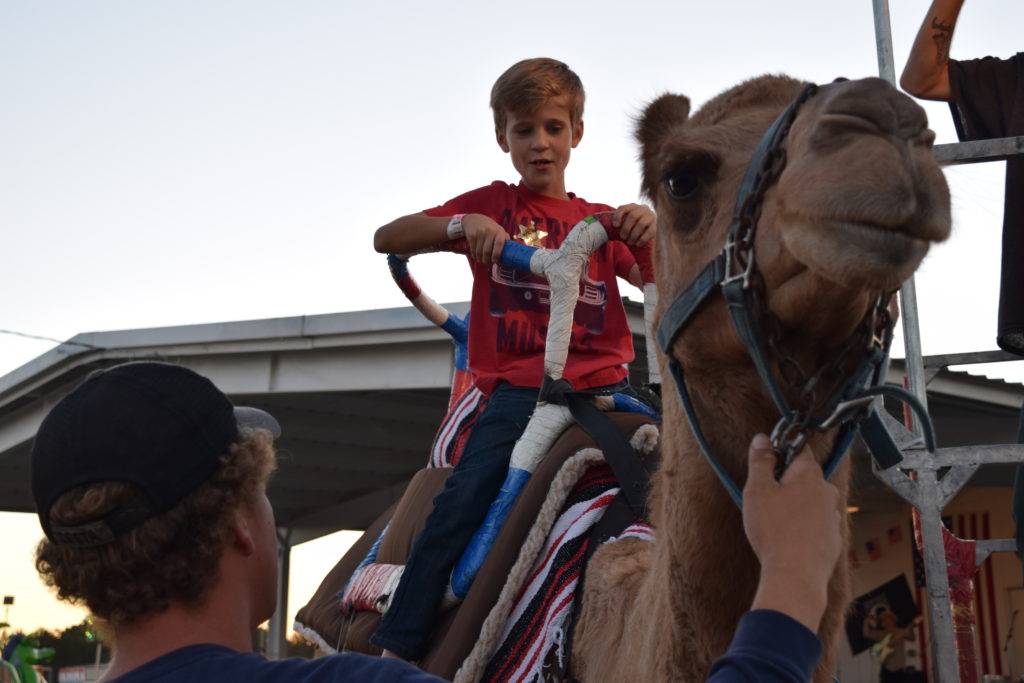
[814,405]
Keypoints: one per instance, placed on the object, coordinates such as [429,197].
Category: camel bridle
[849,405]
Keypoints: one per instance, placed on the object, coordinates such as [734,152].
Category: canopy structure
[359,397]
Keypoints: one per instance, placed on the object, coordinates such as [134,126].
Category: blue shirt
[768,647]
[217,664]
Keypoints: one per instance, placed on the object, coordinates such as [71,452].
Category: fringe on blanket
[314,637]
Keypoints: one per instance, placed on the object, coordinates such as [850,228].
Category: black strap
[879,442]
[103,531]
[741,310]
[683,306]
[628,468]
[691,416]
[626,508]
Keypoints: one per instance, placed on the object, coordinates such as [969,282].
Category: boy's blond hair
[169,558]
[526,85]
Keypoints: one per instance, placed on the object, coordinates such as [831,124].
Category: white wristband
[455,230]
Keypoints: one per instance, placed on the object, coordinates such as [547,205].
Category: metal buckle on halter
[844,408]
[881,324]
[787,438]
[729,252]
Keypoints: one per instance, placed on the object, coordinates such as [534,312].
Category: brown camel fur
[853,213]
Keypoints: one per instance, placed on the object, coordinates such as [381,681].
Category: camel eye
[682,184]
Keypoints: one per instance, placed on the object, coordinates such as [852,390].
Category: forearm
[926,74]
[799,594]
[779,518]
[409,234]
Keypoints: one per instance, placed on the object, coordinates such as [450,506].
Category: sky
[170,163]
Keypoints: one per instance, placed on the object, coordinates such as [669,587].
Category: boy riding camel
[538,110]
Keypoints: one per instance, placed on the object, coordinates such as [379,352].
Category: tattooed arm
[926,74]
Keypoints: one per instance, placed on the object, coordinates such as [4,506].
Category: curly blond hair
[526,85]
[169,558]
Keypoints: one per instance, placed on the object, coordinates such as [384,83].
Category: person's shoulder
[979,80]
[215,663]
[496,187]
[590,207]
[988,62]
[476,200]
[184,664]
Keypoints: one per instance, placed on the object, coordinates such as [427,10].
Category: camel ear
[659,118]
[655,125]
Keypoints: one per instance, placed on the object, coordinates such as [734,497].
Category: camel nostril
[854,122]
[879,104]
[837,128]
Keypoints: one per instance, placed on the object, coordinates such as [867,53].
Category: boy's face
[540,143]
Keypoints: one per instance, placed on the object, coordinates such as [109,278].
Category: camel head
[851,214]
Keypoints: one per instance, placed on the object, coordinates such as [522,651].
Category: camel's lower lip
[880,240]
[855,253]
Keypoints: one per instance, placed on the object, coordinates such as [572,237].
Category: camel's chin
[855,254]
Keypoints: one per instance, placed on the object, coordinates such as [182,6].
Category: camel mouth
[854,253]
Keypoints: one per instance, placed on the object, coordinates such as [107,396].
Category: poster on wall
[893,597]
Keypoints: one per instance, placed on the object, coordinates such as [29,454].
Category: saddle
[475,628]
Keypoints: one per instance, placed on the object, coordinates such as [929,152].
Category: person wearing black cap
[151,491]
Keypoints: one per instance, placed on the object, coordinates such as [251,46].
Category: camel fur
[854,212]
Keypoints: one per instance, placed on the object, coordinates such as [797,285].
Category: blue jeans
[458,512]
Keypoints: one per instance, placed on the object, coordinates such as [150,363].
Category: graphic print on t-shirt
[517,290]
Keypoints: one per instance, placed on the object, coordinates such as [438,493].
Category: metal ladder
[928,492]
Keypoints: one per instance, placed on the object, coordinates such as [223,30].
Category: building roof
[359,397]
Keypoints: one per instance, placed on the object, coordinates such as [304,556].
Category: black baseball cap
[159,426]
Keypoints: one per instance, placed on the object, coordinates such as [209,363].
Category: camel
[852,214]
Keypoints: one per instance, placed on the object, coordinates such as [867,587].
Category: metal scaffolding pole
[926,490]
[277,638]
[943,650]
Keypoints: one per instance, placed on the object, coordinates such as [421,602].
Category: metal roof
[359,397]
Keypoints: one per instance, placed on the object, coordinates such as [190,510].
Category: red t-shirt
[509,309]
